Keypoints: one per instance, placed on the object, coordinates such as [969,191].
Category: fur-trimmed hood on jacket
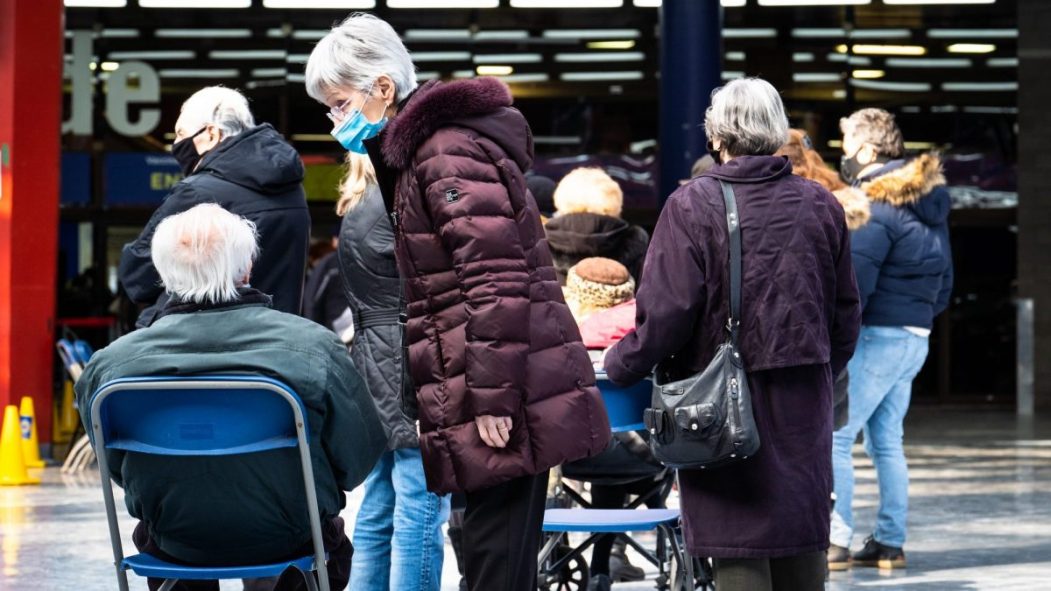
[436,104]
[855,206]
[905,182]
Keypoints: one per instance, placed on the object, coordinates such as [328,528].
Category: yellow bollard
[68,415]
[12,465]
[30,444]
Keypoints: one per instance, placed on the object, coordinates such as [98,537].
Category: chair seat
[608,520]
[147,565]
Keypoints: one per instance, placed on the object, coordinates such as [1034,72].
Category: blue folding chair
[82,351]
[216,415]
[70,359]
[625,407]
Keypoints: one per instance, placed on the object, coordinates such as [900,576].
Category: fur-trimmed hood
[906,183]
[482,104]
[855,206]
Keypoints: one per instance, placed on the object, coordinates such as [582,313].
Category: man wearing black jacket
[249,170]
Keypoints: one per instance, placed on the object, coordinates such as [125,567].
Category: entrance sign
[119,93]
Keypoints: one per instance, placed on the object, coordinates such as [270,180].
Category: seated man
[248,508]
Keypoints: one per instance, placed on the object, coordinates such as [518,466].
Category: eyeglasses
[337,113]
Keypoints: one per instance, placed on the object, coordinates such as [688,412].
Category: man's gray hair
[222,107]
[204,253]
[747,118]
[876,127]
[355,53]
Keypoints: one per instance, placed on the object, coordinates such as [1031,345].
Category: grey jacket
[373,288]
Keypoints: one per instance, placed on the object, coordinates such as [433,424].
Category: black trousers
[340,553]
[501,534]
[804,572]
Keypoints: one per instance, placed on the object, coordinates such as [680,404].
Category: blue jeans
[886,361]
[398,541]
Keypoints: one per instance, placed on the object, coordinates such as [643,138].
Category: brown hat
[596,284]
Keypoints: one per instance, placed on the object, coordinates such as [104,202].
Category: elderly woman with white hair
[764,519]
[505,387]
[249,170]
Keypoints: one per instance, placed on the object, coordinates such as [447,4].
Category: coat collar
[434,104]
[751,169]
[247,296]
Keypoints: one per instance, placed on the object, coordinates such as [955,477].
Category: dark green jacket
[250,507]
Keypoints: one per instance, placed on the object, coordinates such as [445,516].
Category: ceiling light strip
[601,76]
[600,56]
[329,4]
[202,33]
[567,3]
[190,73]
[195,3]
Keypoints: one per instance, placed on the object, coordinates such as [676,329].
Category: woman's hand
[494,431]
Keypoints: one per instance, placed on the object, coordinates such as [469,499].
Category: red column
[31,47]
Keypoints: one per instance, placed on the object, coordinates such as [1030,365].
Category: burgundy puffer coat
[489,332]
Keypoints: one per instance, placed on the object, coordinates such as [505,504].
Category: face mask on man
[185,153]
[850,167]
[354,128]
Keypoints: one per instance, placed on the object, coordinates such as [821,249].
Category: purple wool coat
[489,332]
[800,322]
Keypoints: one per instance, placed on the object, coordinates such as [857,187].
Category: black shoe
[838,558]
[879,555]
[599,583]
[620,568]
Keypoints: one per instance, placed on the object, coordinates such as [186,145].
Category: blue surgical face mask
[355,128]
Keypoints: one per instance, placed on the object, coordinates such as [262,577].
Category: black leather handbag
[706,420]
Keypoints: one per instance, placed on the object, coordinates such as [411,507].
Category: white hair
[747,117]
[356,53]
[222,107]
[204,253]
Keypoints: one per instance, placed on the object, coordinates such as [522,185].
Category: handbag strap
[733,227]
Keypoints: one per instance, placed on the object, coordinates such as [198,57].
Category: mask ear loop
[343,118]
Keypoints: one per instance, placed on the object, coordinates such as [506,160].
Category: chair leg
[308,578]
[682,568]
[73,458]
[168,584]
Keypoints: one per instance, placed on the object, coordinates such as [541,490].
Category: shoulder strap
[733,227]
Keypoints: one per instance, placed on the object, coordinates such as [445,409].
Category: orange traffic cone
[30,446]
[12,465]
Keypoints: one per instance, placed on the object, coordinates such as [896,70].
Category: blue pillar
[691,67]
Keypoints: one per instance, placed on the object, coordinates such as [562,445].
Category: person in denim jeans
[398,541]
[904,271]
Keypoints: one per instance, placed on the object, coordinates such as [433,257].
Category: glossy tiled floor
[980,516]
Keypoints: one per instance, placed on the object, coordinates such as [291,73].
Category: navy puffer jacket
[902,256]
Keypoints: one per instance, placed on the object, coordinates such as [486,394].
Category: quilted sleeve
[846,319]
[669,300]
[471,209]
[869,248]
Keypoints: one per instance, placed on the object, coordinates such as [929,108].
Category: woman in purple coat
[764,520]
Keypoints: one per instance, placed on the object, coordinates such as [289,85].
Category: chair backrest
[625,406]
[82,351]
[66,353]
[69,358]
[210,415]
[197,416]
